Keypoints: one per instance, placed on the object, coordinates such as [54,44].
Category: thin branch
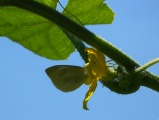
[145,66]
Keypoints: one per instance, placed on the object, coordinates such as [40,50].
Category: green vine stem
[145,66]
[147,79]
[75,29]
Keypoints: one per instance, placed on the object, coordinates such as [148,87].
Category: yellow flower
[95,69]
[68,78]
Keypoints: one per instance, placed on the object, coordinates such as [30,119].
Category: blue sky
[28,94]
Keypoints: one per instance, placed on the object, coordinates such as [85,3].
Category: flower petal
[97,57]
[97,61]
[95,68]
[89,93]
[90,76]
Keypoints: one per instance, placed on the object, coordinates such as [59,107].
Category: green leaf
[50,3]
[42,36]
[90,11]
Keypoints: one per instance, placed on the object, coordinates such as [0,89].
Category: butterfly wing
[65,77]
